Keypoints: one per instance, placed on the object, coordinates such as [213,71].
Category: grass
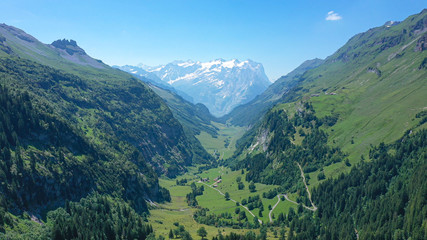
[163,217]
[224,144]
[372,108]
[217,204]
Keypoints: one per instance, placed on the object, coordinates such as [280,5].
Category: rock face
[68,49]
[421,43]
[70,46]
[220,85]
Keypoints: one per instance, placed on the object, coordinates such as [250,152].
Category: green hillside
[381,199]
[73,127]
[336,149]
[111,103]
[195,119]
[194,116]
[373,86]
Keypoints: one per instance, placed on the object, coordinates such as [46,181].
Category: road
[312,208]
[247,209]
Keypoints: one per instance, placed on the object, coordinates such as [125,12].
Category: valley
[336,149]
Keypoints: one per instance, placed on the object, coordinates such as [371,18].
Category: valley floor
[167,216]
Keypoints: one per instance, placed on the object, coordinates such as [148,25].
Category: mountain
[15,42]
[149,77]
[249,113]
[220,85]
[354,127]
[194,118]
[113,97]
[71,127]
[371,90]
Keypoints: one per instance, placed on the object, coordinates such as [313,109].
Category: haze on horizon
[280,35]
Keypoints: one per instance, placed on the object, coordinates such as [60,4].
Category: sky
[280,34]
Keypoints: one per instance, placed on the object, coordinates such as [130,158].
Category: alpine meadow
[213,149]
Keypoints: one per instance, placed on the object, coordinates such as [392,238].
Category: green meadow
[164,216]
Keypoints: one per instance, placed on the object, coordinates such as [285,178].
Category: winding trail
[246,208]
[312,208]
[275,205]
[306,187]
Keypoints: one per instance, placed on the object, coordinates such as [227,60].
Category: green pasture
[224,144]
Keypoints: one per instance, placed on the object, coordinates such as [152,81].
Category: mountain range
[69,113]
[220,85]
[82,142]
[367,85]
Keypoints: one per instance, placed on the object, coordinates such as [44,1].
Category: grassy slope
[372,109]
[379,89]
[165,143]
[224,144]
[195,117]
[164,216]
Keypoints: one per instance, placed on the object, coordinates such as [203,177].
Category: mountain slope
[380,199]
[369,91]
[46,161]
[249,113]
[60,53]
[112,103]
[375,84]
[220,85]
[194,118]
[61,139]
[152,78]
[351,111]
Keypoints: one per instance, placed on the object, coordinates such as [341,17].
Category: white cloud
[333,16]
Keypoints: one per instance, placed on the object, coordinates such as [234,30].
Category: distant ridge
[220,85]
[59,53]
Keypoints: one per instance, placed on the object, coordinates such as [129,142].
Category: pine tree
[171,234]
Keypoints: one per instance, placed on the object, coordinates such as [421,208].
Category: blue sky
[280,34]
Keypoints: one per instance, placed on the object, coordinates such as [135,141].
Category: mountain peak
[219,84]
[390,23]
[17,33]
[70,46]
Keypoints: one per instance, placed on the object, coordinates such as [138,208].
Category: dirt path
[306,187]
[288,199]
[312,208]
[247,209]
[275,205]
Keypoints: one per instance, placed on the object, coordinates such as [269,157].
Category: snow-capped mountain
[152,78]
[220,85]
